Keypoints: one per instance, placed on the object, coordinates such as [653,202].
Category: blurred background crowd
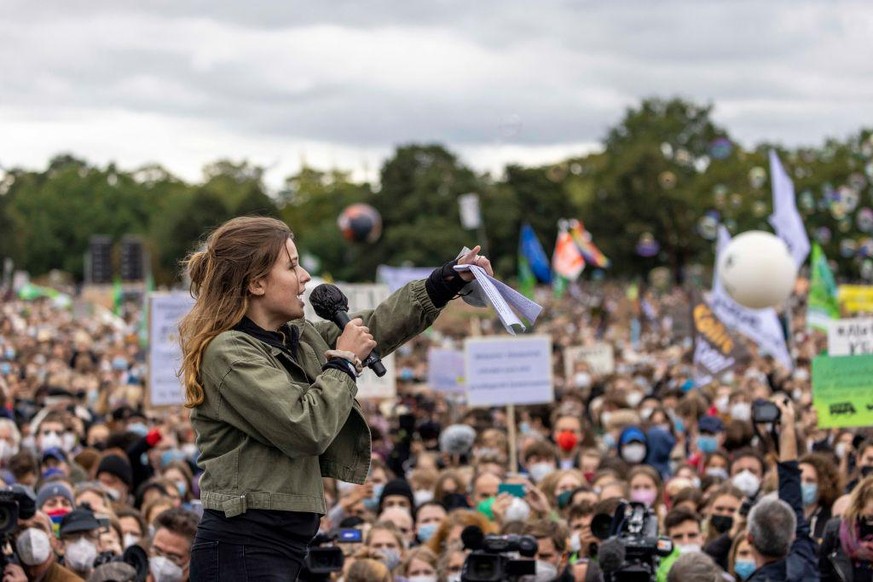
[110,473]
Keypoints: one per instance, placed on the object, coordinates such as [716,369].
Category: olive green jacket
[271,427]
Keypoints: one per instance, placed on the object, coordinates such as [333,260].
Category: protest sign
[714,346]
[165,355]
[842,391]
[509,370]
[445,370]
[850,337]
[599,357]
[856,298]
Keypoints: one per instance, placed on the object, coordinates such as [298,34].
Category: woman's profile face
[279,296]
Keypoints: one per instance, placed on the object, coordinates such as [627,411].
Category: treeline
[667,173]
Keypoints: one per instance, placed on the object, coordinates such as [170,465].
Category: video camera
[16,502]
[493,557]
[631,548]
[323,559]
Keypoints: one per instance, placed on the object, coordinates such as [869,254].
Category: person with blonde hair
[273,395]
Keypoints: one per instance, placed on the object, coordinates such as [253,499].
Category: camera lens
[7,518]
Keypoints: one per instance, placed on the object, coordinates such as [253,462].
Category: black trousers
[238,550]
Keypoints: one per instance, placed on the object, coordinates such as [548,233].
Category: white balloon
[757,269]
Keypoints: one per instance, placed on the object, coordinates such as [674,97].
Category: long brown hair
[237,252]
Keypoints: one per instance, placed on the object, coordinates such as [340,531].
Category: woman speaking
[273,395]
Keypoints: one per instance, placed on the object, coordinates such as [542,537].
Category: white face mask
[840,450]
[80,555]
[422,496]
[688,548]
[717,472]
[130,540]
[163,570]
[634,398]
[545,572]
[6,450]
[575,543]
[741,411]
[747,482]
[422,578]
[34,547]
[50,441]
[721,403]
[539,471]
[634,452]
[68,441]
[582,380]
[646,413]
[518,510]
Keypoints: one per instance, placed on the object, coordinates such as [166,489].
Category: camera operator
[36,547]
[777,530]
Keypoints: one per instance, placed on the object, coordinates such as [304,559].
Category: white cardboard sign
[445,370]
[509,370]
[850,337]
[165,355]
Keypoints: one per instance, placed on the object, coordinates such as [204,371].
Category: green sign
[842,390]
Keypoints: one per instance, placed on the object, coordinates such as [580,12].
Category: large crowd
[116,482]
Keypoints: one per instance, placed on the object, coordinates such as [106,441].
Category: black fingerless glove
[444,284]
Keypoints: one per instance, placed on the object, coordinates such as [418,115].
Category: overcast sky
[341,83]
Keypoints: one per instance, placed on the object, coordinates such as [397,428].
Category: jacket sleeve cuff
[443,284]
[343,366]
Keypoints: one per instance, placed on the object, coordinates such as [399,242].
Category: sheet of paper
[501,297]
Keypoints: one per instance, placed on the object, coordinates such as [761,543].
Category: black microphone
[472,537]
[330,304]
[611,555]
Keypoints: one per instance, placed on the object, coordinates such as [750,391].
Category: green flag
[823,305]
[526,279]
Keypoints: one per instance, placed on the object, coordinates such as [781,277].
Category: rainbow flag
[589,250]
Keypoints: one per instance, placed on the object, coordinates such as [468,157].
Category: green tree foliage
[658,173]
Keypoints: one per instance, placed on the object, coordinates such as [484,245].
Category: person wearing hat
[55,463]
[116,476]
[37,549]
[633,445]
[55,495]
[80,534]
[397,493]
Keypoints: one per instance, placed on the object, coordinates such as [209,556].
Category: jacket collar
[286,339]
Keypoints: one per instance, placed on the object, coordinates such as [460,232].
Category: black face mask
[867,471]
[865,529]
[721,523]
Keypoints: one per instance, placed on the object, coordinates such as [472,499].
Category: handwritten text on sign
[842,391]
[850,337]
[504,370]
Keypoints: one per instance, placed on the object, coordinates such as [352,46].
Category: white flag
[786,220]
[760,325]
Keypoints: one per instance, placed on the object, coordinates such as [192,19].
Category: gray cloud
[369,75]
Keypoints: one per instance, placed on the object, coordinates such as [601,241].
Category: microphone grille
[327,299]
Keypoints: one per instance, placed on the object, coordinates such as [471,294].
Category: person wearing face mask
[420,565]
[552,557]
[37,549]
[567,435]
[116,475]
[709,439]
[632,445]
[428,518]
[385,538]
[863,464]
[10,438]
[747,471]
[819,487]
[723,522]
[170,551]
[540,459]
[777,529]
[80,534]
